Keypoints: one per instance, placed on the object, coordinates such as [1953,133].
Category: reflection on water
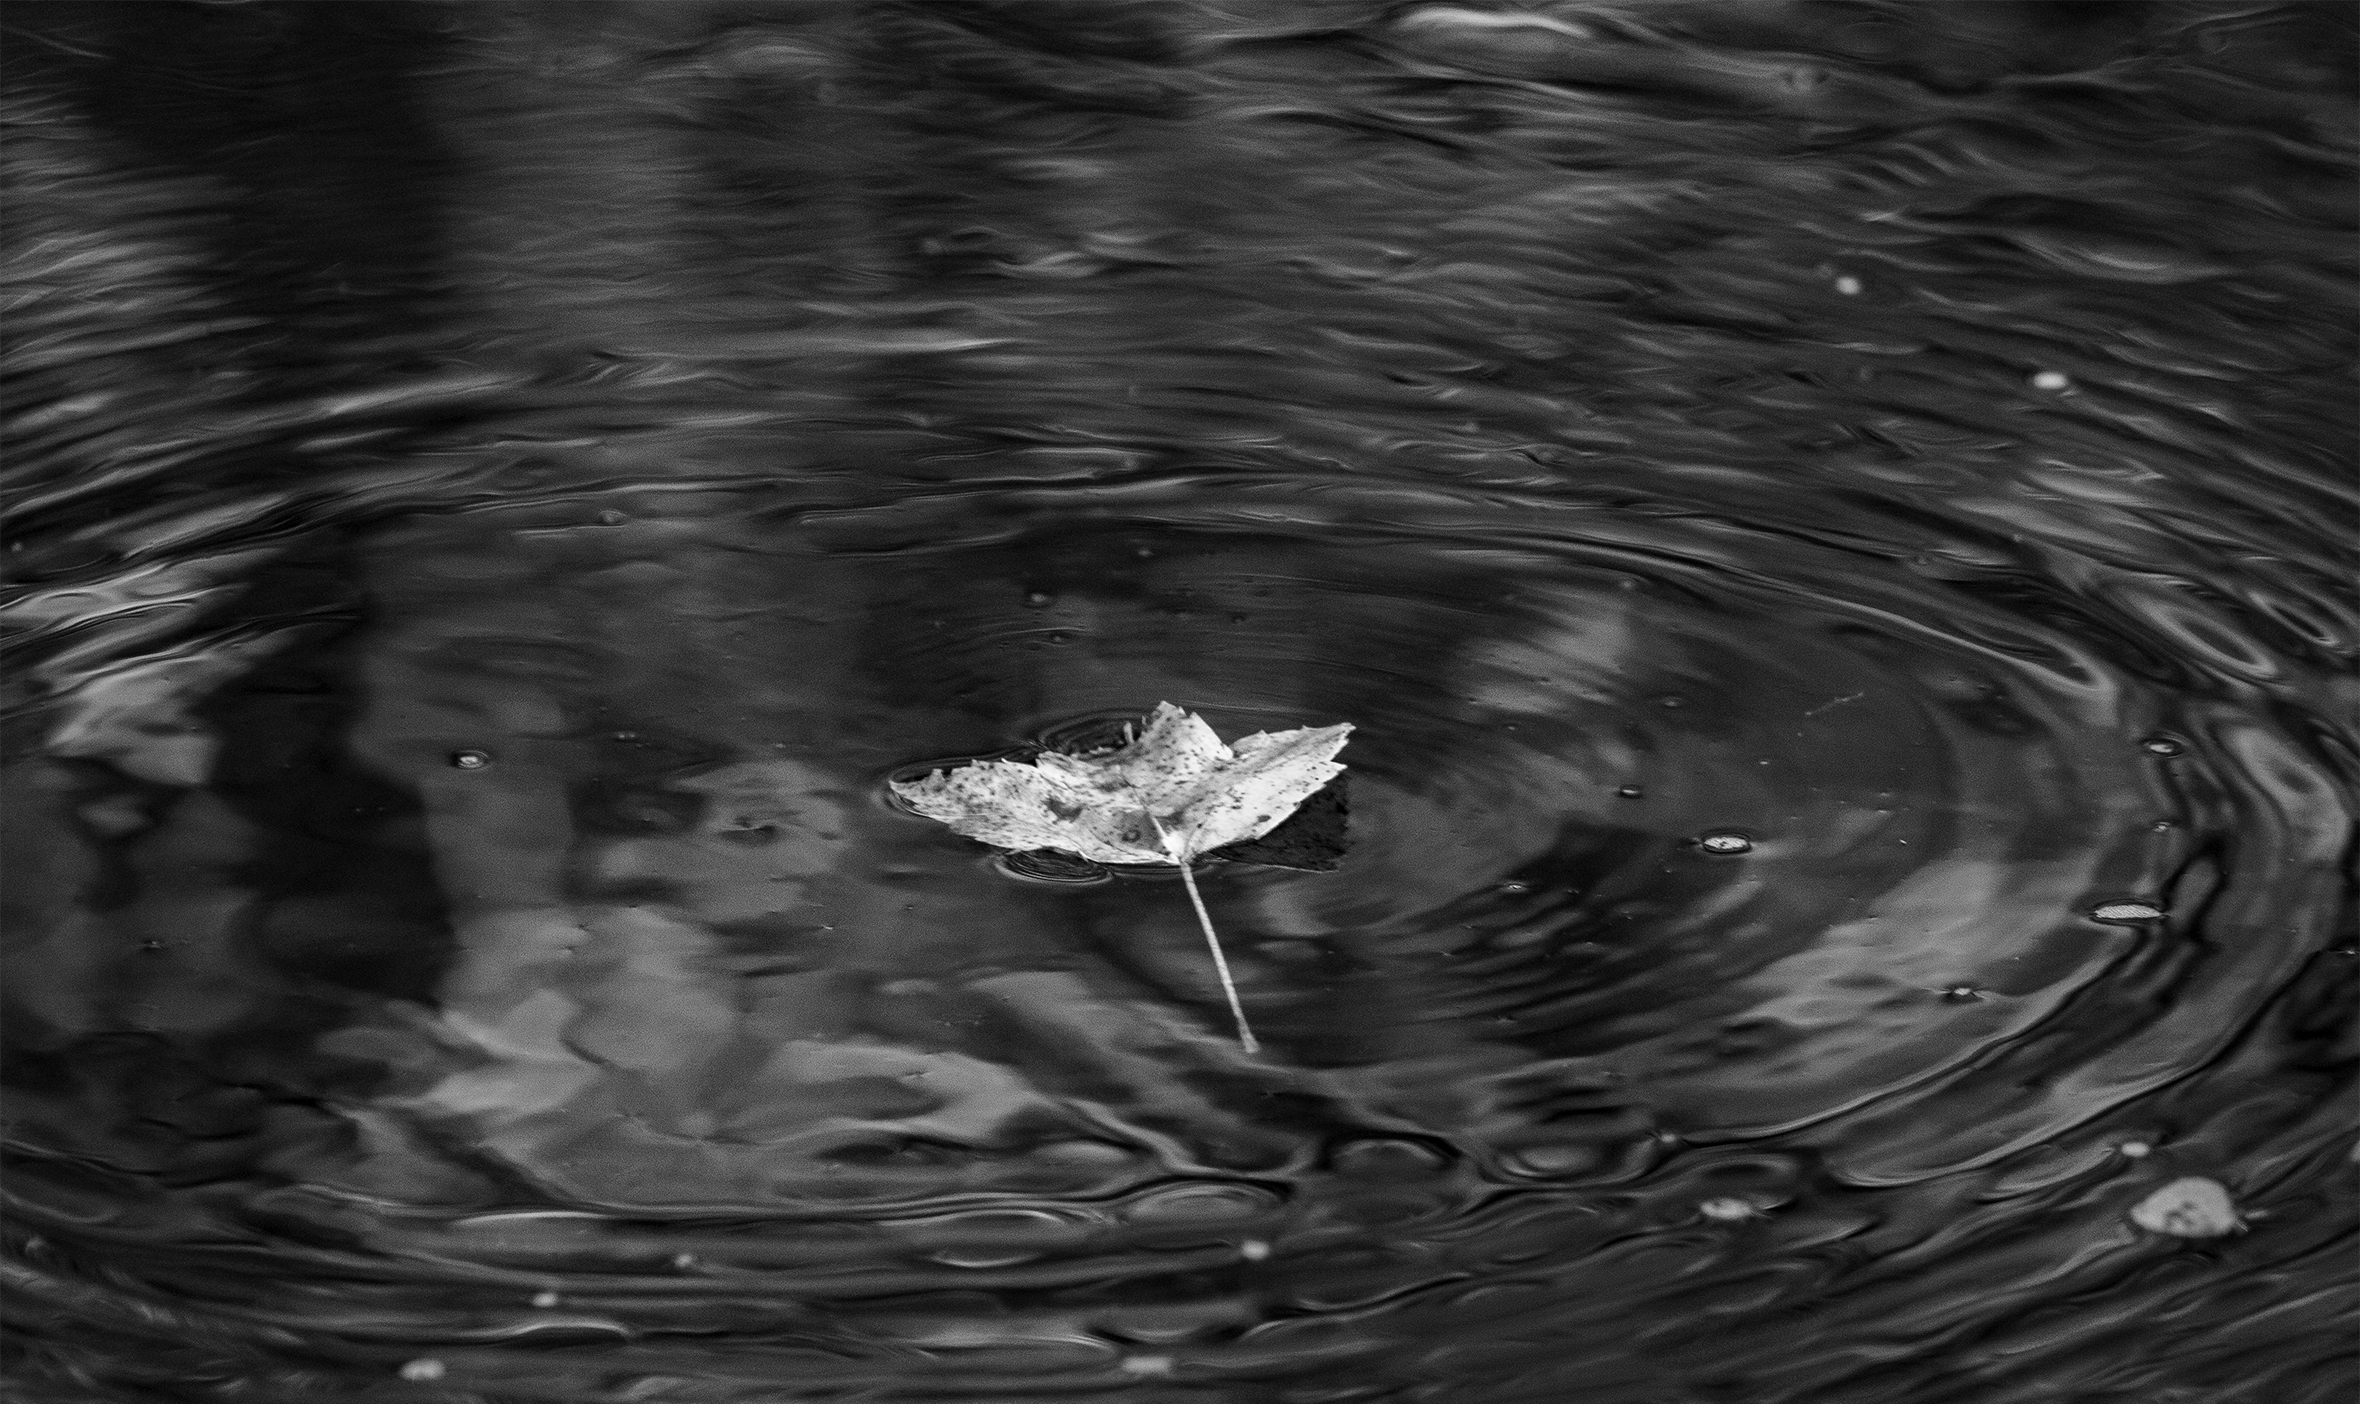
[1832,524]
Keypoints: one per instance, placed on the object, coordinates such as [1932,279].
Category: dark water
[1834,524]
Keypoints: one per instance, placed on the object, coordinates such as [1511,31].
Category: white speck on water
[2192,1207]
[2127,911]
[422,1369]
[2050,380]
[1848,286]
[1725,843]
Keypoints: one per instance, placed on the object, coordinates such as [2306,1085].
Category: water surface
[1832,523]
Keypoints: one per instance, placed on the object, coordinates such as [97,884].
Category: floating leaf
[1168,795]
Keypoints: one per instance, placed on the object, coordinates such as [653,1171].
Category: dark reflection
[1830,523]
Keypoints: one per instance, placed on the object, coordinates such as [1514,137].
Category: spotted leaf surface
[1174,791]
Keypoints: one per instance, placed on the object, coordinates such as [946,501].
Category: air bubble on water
[2127,911]
[1253,1250]
[2163,746]
[1146,1365]
[1849,287]
[422,1369]
[2192,1207]
[2051,380]
[470,760]
[1725,843]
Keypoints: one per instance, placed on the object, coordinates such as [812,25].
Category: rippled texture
[1833,524]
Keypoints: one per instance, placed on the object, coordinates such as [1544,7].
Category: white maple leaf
[1170,794]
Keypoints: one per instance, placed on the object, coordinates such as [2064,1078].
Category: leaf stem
[1237,1009]
[1177,849]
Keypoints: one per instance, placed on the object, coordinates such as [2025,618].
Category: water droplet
[544,1300]
[2050,380]
[1728,1209]
[2193,1207]
[423,1369]
[2127,911]
[2136,1150]
[1631,791]
[1849,287]
[1730,842]
[470,760]
[2163,746]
